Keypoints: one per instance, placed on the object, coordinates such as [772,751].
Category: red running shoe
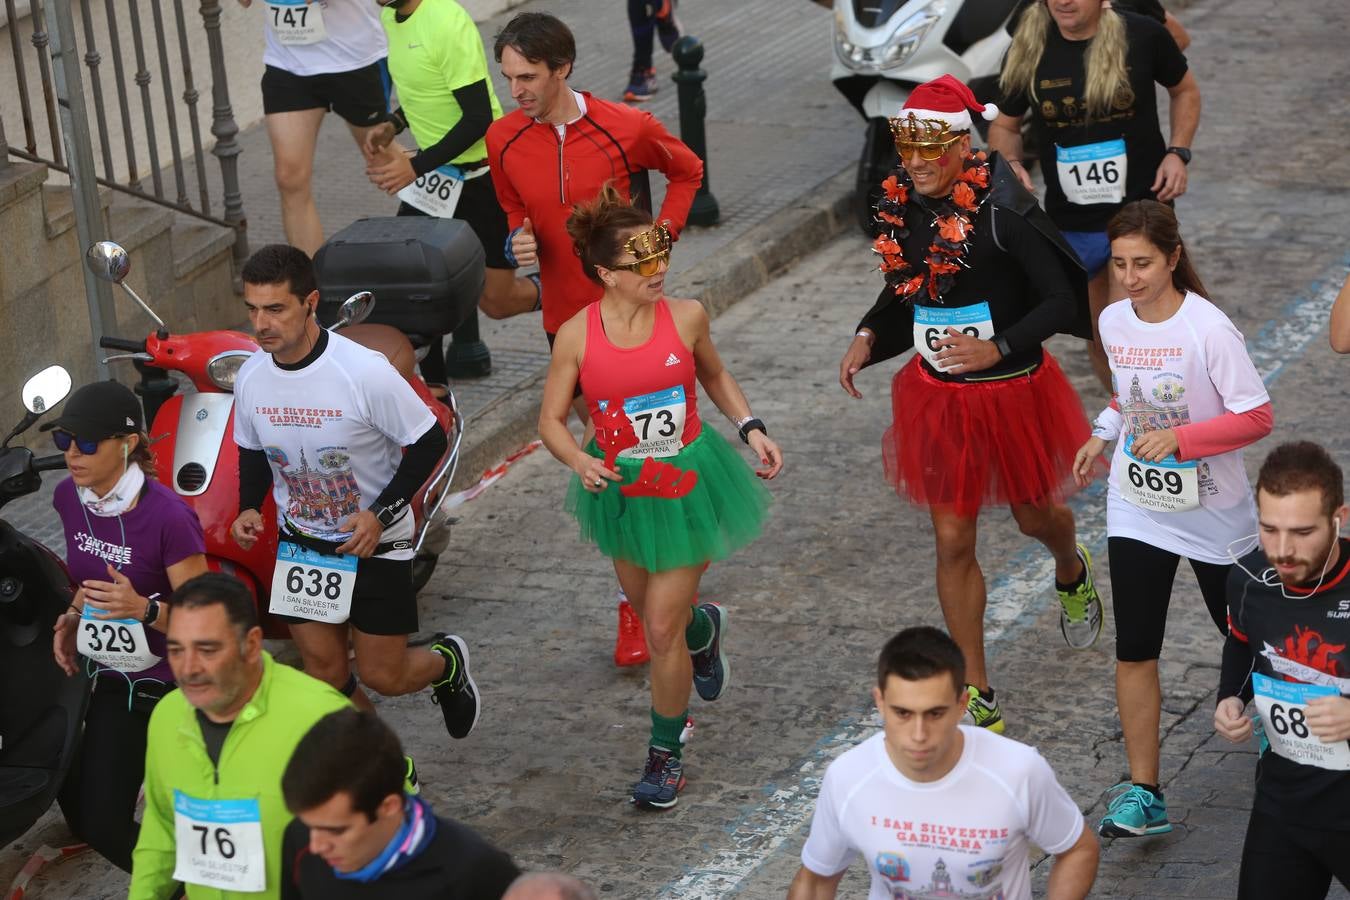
[630,646]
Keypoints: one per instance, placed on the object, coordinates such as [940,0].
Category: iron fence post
[225,129]
[688,53]
[89,225]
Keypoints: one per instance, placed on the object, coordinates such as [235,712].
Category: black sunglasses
[63,440]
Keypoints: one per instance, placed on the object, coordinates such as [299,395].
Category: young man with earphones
[1288,653]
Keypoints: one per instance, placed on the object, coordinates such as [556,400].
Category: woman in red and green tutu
[658,493]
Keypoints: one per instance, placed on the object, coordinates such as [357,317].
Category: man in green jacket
[216,748]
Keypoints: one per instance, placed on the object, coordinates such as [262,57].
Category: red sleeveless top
[654,381]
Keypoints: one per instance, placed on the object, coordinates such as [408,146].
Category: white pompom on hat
[947,99]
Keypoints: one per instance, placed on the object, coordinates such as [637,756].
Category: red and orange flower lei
[950,243]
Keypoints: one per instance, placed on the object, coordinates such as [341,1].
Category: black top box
[426,273]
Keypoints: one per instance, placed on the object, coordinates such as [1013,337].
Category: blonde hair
[1104,62]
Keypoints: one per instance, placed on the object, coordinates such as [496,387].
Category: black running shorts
[479,207]
[383,601]
[359,96]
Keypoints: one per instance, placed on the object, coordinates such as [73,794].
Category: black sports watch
[1000,342]
[1183,153]
[745,426]
[151,612]
[387,514]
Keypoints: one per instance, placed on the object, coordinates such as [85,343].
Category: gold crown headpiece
[911,129]
[648,243]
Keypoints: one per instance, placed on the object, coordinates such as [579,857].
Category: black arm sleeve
[1236,669]
[1053,295]
[892,321]
[419,460]
[255,479]
[476,109]
[294,843]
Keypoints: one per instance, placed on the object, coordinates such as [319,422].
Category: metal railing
[180,183]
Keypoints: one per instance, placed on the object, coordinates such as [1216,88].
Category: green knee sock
[698,634]
[666,731]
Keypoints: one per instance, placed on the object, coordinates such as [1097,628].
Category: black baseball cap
[99,411]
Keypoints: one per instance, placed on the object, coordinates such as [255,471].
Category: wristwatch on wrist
[749,424]
[151,612]
[1001,343]
[387,514]
[1183,153]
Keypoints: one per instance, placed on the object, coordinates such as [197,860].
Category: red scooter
[192,432]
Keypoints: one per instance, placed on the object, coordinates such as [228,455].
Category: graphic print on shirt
[977,879]
[1306,656]
[1163,403]
[318,495]
[108,551]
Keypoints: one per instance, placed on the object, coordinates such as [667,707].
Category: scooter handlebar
[115,343]
[49,463]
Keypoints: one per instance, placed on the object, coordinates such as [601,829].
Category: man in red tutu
[977,277]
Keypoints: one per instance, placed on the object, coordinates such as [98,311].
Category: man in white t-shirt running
[936,808]
[319,55]
[343,443]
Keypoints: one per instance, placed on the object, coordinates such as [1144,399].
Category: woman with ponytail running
[657,492]
[1188,399]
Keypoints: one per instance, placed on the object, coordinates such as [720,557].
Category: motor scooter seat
[388,340]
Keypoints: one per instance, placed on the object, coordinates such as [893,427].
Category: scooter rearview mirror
[355,309]
[46,389]
[107,260]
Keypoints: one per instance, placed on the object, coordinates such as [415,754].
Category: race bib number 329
[218,843]
[115,643]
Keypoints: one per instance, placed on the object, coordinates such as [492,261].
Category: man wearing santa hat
[977,278]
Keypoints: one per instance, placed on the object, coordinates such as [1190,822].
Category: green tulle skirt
[724,512]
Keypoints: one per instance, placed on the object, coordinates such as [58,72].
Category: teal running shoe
[1133,812]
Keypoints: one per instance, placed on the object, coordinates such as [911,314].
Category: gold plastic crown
[648,243]
[911,129]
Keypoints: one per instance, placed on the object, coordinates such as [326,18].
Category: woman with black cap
[129,542]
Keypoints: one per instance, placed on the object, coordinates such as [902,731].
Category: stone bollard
[688,53]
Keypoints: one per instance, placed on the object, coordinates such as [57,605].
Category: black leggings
[99,795]
[1141,589]
[1289,862]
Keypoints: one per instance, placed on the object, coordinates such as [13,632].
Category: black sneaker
[662,781]
[456,694]
[712,669]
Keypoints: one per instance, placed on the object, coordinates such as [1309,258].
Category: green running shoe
[1080,610]
[1133,812]
[982,713]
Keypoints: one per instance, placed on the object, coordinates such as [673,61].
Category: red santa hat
[946,99]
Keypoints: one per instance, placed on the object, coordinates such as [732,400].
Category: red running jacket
[539,177]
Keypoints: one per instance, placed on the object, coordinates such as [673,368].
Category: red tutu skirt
[965,445]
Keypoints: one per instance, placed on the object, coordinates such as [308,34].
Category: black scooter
[41,708]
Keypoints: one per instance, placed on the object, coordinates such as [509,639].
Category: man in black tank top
[1288,653]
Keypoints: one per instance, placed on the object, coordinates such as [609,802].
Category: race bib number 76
[218,843]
